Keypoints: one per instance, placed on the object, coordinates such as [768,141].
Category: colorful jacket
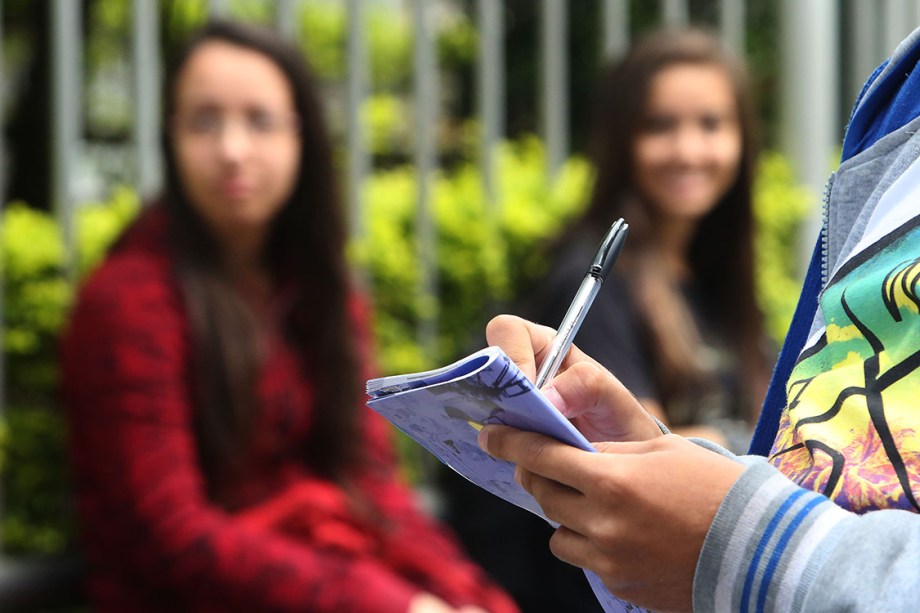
[828,520]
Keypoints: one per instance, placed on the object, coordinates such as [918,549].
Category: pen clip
[609,250]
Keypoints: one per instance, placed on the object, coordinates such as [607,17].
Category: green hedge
[37,291]
[485,251]
[486,254]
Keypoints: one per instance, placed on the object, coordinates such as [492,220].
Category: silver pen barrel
[570,324]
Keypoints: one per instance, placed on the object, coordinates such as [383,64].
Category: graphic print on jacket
[849,429]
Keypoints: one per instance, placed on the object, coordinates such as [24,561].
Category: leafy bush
[486,253]
[37,292]
[780,206]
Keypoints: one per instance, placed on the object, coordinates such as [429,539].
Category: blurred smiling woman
[674,151]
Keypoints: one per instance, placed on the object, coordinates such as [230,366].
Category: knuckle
[588,371]
[593,378]
[535,448]
[610,490]
[662,443]
[612,484]
[609,536]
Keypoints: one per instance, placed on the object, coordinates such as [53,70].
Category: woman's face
[235,139]
[688,148]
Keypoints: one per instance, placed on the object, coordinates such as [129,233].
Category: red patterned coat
[154,540]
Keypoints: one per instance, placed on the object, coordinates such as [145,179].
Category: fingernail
[483,439]
[553,396]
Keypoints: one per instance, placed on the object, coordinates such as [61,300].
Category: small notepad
[444,409]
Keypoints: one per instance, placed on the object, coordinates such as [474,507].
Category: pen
[594,278]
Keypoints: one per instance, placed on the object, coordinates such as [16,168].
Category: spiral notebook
[444,409]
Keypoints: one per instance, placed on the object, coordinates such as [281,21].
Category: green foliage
[323,40]
[36,295]
[389,43]
[383,117]
[780,206]
[457,43]
[37,515]
[484,251]
[98,224]
[37,291]
[179,17]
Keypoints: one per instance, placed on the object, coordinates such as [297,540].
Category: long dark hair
[721,252]
[305,248]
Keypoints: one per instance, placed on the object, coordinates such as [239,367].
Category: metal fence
[819,39]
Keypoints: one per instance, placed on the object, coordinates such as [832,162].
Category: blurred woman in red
[213,368]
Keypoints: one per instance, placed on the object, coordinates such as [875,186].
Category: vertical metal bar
[66,120]
[2,263]
[146,77]
[886,27]
[554,51]
[286,18]
[674,12]
[865,49]
[358,158]
[896,23]
[913,19]
[425,77]
[616,28]
[810,76]
[732,19]
[490,90]
[217,8]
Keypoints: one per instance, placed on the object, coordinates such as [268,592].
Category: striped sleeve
[774,546]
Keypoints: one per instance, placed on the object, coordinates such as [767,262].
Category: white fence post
[426,116]
[67,109]
[286,18]
[732,24]
[810,67]
[358,158]
[554,54]
[674,12]
[616,28]
[147,93]
[490,90]
[2,273]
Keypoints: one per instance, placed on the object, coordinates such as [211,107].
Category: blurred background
[460,127]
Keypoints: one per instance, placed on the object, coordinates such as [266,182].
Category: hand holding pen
[584,297]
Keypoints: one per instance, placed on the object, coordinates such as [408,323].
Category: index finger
[523,341]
